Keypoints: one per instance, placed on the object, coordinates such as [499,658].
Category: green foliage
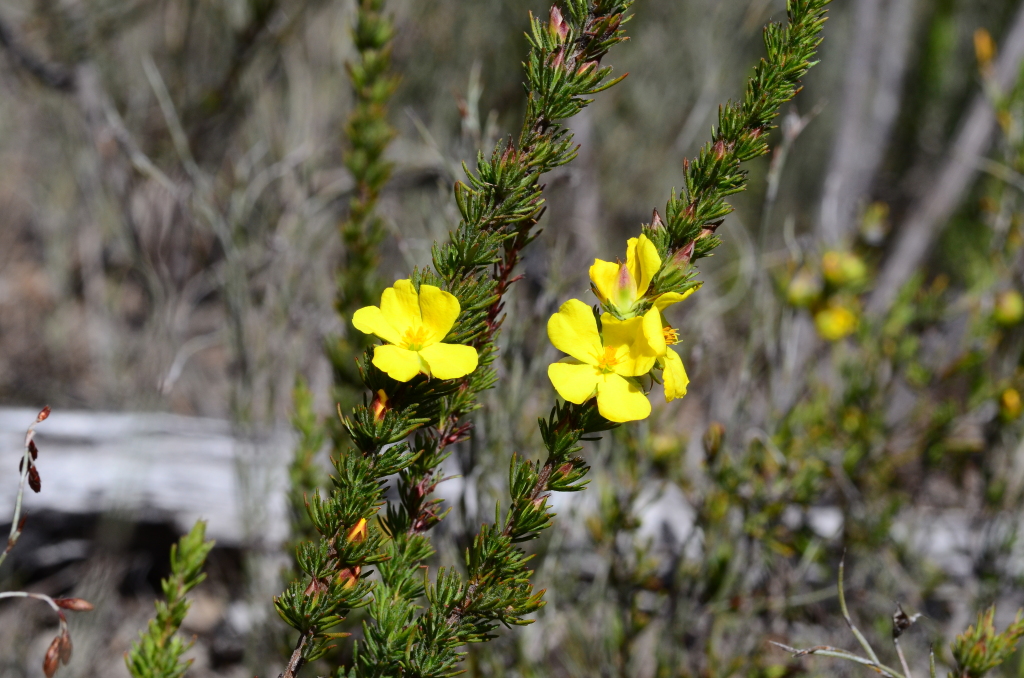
[500,207]
[980,649]
[157,652]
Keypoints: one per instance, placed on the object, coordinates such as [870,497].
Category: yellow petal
[450,361]
[398,363]
[654,336]
[669,298]
[674,376]
[401,306]
[633,351]
[574,381]
[643,261]
[370,320]
[573,330]
[620,400]
[604,275]
[439,311]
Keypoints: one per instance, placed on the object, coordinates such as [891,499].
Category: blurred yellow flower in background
[843,268]
[414,323]
[1010,405]
[601,365]
[835,322]
[1009,308]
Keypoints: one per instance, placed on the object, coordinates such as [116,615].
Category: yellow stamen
[608,361]
[671,335]
[413,339]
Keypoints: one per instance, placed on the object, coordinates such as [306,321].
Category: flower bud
[52,659]
[1009,309]
[379,405]
[557,25]
[349,577]
[713,441]
[803,289]
[843,268]
[76,604]
[656,221]
[1010,405]
[358,532]
[984,47]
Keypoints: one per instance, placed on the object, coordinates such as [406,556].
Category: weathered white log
[152,467]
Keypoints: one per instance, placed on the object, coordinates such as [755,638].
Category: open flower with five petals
[622,285]
[603,365]
[414,323]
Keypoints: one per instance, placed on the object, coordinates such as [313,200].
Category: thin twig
[828,651]
[26,464]
[903,659]
[846,615]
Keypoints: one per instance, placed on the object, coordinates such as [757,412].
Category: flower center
[608,361]
[414,339]
[671,335]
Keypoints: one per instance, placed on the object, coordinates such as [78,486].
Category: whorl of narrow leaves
[157,652]
[980,649]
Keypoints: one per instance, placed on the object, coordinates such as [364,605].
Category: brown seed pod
[76,604]
[52,659]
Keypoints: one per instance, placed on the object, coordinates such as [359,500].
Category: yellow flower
[1010,404]
[1009,309]
[621,286]
[603,365]
[673,373]
[835,322]
[843,268]
[414,324]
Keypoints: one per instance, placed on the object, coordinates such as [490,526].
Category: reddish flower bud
[43,414]
[557,25]
[52,658]
[76,604]
[33,449]
[656,221]
[33,479]
[358,532]
[349,577]
[379,405]
[65,647]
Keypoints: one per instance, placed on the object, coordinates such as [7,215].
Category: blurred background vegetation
[171,181]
